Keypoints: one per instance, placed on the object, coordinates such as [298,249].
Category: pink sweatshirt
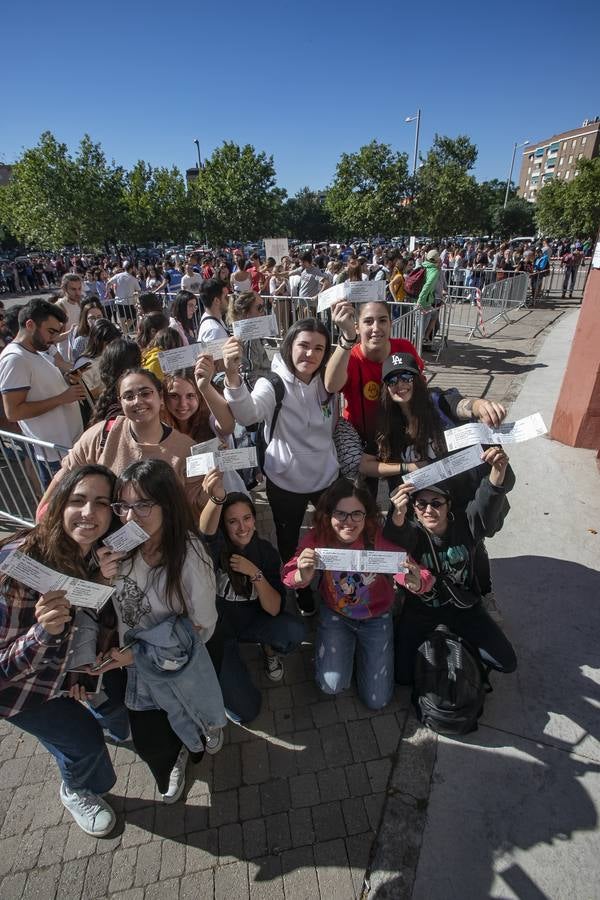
[357,595]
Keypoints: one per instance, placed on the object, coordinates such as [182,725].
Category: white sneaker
[91,812]
[177,778]
[273,668]
[214,741]
[491,607]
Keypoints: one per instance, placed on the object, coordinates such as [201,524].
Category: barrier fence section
[26,467]
[477,299]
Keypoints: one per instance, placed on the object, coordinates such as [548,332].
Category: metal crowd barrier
[23,461]
[554,283]
[475,300]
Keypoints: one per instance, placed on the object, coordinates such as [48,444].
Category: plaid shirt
[32,661]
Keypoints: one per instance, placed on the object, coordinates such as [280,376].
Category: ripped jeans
[339,639]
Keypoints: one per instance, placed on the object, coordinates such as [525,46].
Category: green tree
[369,192]
[583,199]
[447,197]
[236,194]
[516,218]
[490,200]
[157,205]
[551,208]
[306,217]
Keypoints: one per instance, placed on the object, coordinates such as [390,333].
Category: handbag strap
[434,555]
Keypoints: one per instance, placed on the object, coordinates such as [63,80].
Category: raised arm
[336,373]
[218,406]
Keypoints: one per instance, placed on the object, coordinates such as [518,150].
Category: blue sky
[304,82]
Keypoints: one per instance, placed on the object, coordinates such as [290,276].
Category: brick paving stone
[110,844]
[132,894]
[125,755]
[28,851]
[355,815]
[284,721]
[280,697]
[223,808]
[147,866]
[328,821]
[358,849]
[41,884]
[282,761]
[141,788]
[311,758]
[37,769]
[53,845]
[358,780]
[122,870]
[306,693]
[169,819]
[118,794]
[362,740]
[8,853]
[249,802]
[48,808]
[237,734]
[387,733]
[324,713]
[294,669]
[304,790]
[12,886]
[332,785]
[195,813]
[278,833]
[274,796]
[374,806]
[163,890]
[301,827]
[21,810]
[232,881]
[299,874]
[264,876]
[27,745]
[172,860]
[255,762]
[265,720]
[303,720]
[335,880]
[200,777]
[255,838]
[230,844]
[379,773]
[199,886]
[336,745]
[72,879]
[13,771]
[346,708]
[227,768]
[97,877]
[78,844]
[139,827]
[201,850]
[5,801]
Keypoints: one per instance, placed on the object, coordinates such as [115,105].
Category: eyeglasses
[357,515]
[143,394]
[406,377]
[141,508]
[434,504]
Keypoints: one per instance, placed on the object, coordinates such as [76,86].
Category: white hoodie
[301,456]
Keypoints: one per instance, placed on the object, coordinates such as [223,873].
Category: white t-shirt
[192,283]
[22,369]
[125,286]
[139,597]
[72,311]
[211,328]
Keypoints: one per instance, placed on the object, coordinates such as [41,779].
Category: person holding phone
[36,637]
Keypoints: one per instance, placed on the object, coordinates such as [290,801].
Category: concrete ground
[321,793]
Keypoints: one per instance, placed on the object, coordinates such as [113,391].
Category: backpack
[450,684]
[413,282]
[262,438]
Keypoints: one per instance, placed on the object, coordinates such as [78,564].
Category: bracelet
[349,344]
[257,577]
[217,501]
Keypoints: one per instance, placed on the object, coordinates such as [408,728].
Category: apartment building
[557,157]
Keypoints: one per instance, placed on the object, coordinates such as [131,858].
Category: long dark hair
[117,357]
[392,434]
[149,326]
[48,541]
[83,326]
[156,479]
[240,583]
[313,326]
[101,333]
[328,501]
[198,425]
[179,311]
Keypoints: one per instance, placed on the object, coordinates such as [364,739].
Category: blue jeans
[73,735]
[339,639]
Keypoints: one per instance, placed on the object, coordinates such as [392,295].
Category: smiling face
[182,399]
[434,518]
[308,351]
[139,398]
[240,524]
[349,531]
[402,391]
[87,515]
[374,329]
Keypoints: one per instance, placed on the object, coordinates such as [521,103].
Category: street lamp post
[512,164]
[197,143]
[416,119]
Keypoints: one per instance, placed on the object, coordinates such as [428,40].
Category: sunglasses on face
[422,505]
[406,377]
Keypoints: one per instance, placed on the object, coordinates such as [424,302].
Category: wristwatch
[257,577]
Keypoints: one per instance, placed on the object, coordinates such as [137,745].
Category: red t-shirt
[363,387]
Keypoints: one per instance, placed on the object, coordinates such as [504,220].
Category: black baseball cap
[399,362]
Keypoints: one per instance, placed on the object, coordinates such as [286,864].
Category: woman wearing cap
[445,540]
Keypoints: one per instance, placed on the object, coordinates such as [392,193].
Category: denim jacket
[173,671]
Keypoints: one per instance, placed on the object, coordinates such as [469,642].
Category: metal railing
[26,467]
[476,300]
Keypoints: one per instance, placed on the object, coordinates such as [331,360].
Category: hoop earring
[451,516]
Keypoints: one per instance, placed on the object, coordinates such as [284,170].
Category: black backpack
[450,684]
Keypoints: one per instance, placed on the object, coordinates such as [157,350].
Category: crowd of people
[339,425]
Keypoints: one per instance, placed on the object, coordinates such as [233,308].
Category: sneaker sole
[169,800]
[97,834]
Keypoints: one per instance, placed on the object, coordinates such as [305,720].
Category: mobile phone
[99,666]
[91,683]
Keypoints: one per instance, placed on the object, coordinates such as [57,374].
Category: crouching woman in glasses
[445,541]
[355,616]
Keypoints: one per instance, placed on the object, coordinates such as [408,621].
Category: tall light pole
[512,164]
[197,143]
[416,119]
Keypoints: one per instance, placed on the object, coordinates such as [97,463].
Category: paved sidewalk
[291,807]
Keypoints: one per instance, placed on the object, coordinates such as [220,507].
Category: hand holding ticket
[507,433]
[126,538]
[224,460]
[445,468]
[41,578]
[380,561]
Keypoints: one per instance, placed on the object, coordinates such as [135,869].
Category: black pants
[157,744]
[417,620]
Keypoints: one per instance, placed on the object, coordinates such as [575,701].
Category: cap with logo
[399,362]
